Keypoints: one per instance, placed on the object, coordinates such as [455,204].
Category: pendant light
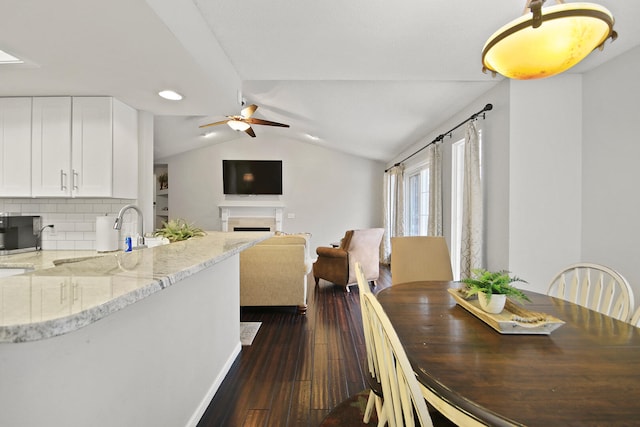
[547,41]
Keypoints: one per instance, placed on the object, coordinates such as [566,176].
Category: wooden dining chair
[596,287]
[416,258]
[373,379]
[403,401]
[635,319]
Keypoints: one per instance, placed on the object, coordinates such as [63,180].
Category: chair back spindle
[404,404]
[596,287]
[375,394]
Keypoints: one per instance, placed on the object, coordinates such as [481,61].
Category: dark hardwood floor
[299,366]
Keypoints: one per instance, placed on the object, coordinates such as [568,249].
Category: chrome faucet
[118,224]
[39,237]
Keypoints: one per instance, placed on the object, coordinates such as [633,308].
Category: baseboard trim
[206,399]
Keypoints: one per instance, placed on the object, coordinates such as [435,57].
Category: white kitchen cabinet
[51,147]
[104,148]
[87,292]
[55,298]
[15,147]
[91,146]
[15,301]
[96,157]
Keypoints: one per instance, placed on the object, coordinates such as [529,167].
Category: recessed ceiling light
[5,58]
[171,95]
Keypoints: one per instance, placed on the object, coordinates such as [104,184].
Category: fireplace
[251,224]
[251,229]
[251,216]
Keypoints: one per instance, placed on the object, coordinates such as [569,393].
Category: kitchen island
[125,339]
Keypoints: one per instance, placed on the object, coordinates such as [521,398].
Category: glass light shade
[569,32]
[238,125]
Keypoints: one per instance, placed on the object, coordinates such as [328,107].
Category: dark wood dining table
[585,373]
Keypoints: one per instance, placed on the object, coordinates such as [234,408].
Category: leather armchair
[337,265]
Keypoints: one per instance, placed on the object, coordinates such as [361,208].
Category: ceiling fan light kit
[547,41]
[238,125]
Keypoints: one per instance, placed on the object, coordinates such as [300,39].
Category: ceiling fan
[244,121]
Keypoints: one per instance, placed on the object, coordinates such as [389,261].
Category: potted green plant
[178,229]
[493,288]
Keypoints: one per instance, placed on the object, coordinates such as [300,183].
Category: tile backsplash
[74,220]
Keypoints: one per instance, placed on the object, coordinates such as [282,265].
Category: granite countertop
[54,300]
[45,259]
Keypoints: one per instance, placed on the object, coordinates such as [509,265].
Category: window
[417,200]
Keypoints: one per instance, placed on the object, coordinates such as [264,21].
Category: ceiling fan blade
[247,112]
[215,123]
[265,122]
[250,132]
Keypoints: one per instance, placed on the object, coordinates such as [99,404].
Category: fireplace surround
[258,215]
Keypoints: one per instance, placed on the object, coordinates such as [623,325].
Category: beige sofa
[274,272]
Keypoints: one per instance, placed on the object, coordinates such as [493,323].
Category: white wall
[495,140]
[560,158]
[495,160]
[328,192]
[545,177]
[532,175]
[146,180]
[611,152]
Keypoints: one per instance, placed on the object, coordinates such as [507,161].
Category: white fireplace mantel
[251,209]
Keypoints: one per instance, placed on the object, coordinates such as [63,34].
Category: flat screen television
[252,176]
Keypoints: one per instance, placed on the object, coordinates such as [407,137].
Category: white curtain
[393,209]
[472,217]
[434,154]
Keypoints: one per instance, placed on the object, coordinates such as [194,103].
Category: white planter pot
[494,305]
[156,241]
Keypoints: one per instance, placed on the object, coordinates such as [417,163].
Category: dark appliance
[18,233]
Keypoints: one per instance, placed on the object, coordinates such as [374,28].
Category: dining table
[584,373]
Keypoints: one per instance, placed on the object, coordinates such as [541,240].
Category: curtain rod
[440,137]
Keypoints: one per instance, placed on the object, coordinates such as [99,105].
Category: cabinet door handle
[62,289]
[75,292]
[63,180]
[75,179]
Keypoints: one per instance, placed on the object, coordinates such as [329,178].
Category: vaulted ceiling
[364,77]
